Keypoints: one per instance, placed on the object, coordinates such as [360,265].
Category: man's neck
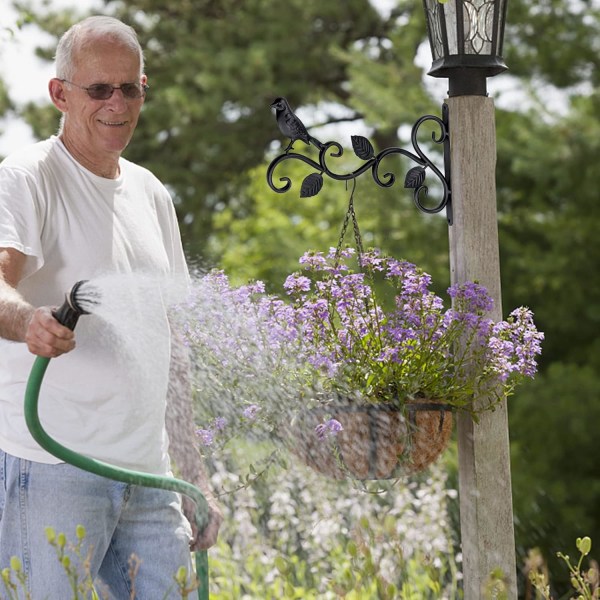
[109,168]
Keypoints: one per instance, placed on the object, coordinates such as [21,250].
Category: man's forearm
[15,313]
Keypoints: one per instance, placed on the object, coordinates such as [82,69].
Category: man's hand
[46,337]
[203,540]
[20,321]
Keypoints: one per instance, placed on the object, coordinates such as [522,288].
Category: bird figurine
[290,125]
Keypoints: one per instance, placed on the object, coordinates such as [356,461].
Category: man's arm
[15,313]
[183,444]
[20,321]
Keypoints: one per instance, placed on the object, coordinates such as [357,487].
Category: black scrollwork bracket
[415,177]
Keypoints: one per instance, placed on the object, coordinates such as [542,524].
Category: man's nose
[117,99]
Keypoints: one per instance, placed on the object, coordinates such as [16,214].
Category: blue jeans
[120,520]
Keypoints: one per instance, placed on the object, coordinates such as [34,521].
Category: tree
[6,104]
[549,218]
[556,476]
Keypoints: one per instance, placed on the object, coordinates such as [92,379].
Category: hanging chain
[350,214]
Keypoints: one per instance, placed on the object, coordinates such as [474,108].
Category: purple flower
[399,268]
[220,423]
[526,339]
[328,429]
[342,255]
[314,261]
[500,357]
[296,283]
[471,297]
[207,436]
[372,260]
[513,345]
[251,411]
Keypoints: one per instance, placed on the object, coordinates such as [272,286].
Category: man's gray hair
[93,27]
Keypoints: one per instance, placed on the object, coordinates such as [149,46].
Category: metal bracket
[415,177]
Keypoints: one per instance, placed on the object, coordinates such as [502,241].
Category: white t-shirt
[106,399]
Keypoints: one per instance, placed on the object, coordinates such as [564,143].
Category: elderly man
[72,208]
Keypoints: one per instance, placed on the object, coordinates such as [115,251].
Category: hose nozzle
[70,311]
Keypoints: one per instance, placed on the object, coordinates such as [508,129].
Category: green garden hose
[101,468]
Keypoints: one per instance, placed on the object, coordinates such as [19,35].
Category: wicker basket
[378,441]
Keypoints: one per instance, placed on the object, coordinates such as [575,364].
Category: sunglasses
[103,91]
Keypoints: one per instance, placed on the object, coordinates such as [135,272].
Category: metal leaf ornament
[414,178]
[311,185]
[362,147]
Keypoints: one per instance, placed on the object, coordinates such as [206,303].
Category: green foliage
[496,587]
[5,102]
[14,581]
[43,120]
[72,557]
[548,225]
[262,582]
[566,54]
[264,241]
[295,534]
[585,583]
[556,479]
[75,560]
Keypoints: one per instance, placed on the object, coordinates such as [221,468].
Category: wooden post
[486,516]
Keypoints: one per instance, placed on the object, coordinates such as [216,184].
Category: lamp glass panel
[478,22]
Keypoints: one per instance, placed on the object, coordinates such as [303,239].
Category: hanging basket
[378,441]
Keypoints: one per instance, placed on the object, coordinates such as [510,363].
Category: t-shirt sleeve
[180,277]
[20,217]
[172,236]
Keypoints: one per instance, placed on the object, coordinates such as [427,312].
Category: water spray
[80,301]
[72,308]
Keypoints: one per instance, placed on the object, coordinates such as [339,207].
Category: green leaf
[282,565]
[584,545]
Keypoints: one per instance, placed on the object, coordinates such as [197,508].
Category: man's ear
[144,81]
[56,89]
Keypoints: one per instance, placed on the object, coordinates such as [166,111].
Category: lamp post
[466,38]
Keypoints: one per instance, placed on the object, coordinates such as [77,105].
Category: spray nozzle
[72,308]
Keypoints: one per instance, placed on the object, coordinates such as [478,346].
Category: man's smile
[113,123]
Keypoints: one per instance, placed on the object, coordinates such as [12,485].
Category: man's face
[100,127]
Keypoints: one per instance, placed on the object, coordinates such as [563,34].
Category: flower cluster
[366,327]
[221,426]
[360,339]
[243,368]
